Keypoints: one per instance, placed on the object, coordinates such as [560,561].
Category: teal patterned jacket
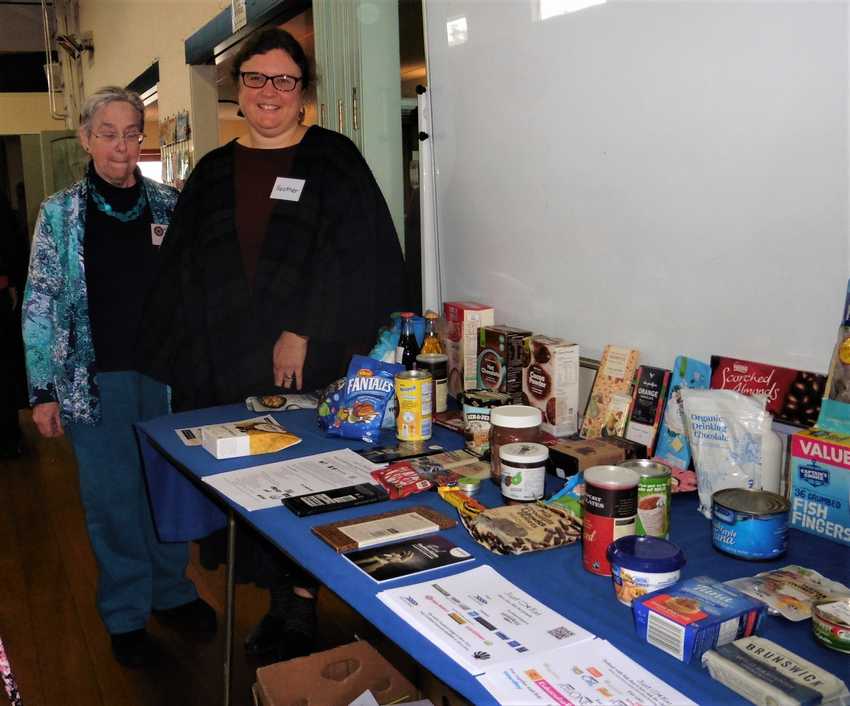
[56,328]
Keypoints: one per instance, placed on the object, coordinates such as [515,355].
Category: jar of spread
[510,424]
[523,471]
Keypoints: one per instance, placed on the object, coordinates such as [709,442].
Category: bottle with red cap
[408,348]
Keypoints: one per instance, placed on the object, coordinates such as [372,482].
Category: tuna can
[413,389]
[609,509]
[437,364]
[469,485]
[653,504]
[749,524]
[831,623]
[523,468]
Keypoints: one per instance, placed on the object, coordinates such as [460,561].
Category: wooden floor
[58,647]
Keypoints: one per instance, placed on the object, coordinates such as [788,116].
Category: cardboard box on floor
[332,678]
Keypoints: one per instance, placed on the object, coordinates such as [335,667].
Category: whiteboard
[671,176]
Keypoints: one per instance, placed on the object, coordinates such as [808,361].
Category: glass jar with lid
[508,425]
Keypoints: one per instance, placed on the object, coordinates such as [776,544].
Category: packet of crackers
[400,480]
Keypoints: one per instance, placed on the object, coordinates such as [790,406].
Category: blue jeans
[137,571]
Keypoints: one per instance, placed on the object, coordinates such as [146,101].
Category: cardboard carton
[550,383]
[332,678]
[463,319]
[820,484]
[571,456]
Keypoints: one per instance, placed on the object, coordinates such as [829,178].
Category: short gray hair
[106,95]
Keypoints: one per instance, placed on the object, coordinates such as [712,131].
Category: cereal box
[615,376]
[463,320]
[820,484]
[693,616]
[550,383]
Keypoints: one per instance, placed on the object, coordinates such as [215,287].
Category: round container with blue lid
[642,565]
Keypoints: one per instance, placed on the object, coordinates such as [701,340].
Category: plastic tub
[642,565]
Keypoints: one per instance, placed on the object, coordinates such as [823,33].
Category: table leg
[229,607]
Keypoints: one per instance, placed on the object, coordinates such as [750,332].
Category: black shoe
[266,636]
[196,618]
[294,644]
[133,649]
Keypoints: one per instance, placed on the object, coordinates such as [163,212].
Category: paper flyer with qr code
[480,619]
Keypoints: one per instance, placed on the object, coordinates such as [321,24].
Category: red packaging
[400,480]
[792,396]
[609,512]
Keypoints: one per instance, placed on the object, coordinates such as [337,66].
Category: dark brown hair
[269,40]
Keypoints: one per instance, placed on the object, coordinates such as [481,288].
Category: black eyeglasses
[282,82]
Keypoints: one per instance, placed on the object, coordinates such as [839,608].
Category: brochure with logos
[480,619]
[594,672]
[412,556]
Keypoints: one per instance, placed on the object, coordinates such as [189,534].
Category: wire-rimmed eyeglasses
[282,82]
[131,139]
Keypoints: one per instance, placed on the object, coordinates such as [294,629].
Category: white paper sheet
[260,487]
[480,619]
[592,673]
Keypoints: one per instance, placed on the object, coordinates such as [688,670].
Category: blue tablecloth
[183,510]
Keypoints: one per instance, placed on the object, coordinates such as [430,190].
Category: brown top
[255,173]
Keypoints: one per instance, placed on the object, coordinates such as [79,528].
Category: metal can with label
[749,524]
[831,623]
[413,388]
[609,508]
[437,364]
[654,490]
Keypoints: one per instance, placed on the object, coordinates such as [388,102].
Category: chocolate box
[463,319]
[616,374]
[570,456]
[550,383]
[820,484]
[503,353]
[791,396]
[647,405]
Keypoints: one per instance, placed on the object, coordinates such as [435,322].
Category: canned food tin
[437,364]
[653,504]
[749,524]
[609,508]
[413,389]
[831,623]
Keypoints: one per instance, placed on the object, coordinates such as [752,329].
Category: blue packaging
[749,524]
[695,615]
[673,448]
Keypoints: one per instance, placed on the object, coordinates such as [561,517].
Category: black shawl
[330,268]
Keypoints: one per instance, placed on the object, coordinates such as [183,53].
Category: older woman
[95,253]
[282,261]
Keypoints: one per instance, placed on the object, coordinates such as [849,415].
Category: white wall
[129,35]
[672,176]
[27,114]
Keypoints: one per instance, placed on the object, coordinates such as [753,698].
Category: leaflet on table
[480,619]
[594,672]
[259,487]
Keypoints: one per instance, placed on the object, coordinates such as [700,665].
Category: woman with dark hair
[95,254]
[281,261]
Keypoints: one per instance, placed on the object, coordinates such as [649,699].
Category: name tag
[286,189]
[157,234]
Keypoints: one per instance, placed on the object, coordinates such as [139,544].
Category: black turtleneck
[121,262]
